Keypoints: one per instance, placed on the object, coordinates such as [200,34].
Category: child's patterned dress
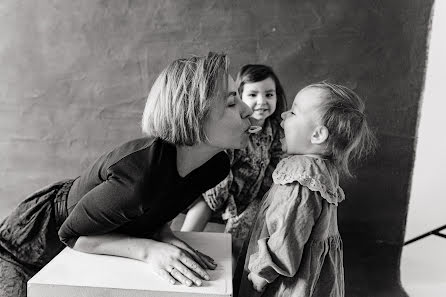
[237,198]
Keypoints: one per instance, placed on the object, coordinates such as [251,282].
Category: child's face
[261,98]
[300,122]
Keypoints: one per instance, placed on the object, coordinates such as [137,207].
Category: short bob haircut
[251,73]
[182,96]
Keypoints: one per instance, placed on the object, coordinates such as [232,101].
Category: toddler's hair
[350,137]
[251,73]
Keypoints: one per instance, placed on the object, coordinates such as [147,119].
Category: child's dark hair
[350,137]
[252,73]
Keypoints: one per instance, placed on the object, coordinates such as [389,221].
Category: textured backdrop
[74,76]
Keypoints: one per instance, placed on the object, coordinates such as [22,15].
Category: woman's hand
[167,260]
[174,264]
[166,235]
[258,283]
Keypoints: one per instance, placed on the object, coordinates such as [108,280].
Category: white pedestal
[76,274]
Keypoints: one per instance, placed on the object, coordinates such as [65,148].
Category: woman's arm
[166,235]
[91,224]
[166,260]
[101,211]
[197,217]
[116,245]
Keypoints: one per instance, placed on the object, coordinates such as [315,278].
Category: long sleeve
[101,210]
[289,221]
[135,189]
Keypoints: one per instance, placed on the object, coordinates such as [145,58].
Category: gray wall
[74,76]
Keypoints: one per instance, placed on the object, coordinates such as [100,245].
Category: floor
[423,266]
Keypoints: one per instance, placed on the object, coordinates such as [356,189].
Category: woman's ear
[320,135]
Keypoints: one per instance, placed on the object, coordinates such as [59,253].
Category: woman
[122,204]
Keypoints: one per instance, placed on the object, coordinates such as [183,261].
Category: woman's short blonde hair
[182,96]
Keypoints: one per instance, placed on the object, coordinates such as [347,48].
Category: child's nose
[283,115]
[261,99]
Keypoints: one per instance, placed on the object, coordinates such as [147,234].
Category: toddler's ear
[320,135]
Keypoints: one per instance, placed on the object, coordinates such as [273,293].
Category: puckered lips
[254,129]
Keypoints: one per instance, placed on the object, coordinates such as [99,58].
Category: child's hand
[258,283]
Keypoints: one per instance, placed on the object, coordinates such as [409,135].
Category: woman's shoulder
[137,153]
[138,144]
[317,174]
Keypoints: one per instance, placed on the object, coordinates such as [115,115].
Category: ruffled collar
[317,174]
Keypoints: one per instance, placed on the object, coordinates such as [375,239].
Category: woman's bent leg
[28,237]
[12,280]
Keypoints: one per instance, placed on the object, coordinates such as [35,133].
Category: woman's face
[228,122]
[261,98]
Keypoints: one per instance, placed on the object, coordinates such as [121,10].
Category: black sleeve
[103,209]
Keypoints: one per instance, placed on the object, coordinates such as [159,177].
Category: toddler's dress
[295,244]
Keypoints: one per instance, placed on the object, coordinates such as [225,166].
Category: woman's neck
[190,158]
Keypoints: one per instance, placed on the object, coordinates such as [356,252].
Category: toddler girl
[238,196]
[295,248]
